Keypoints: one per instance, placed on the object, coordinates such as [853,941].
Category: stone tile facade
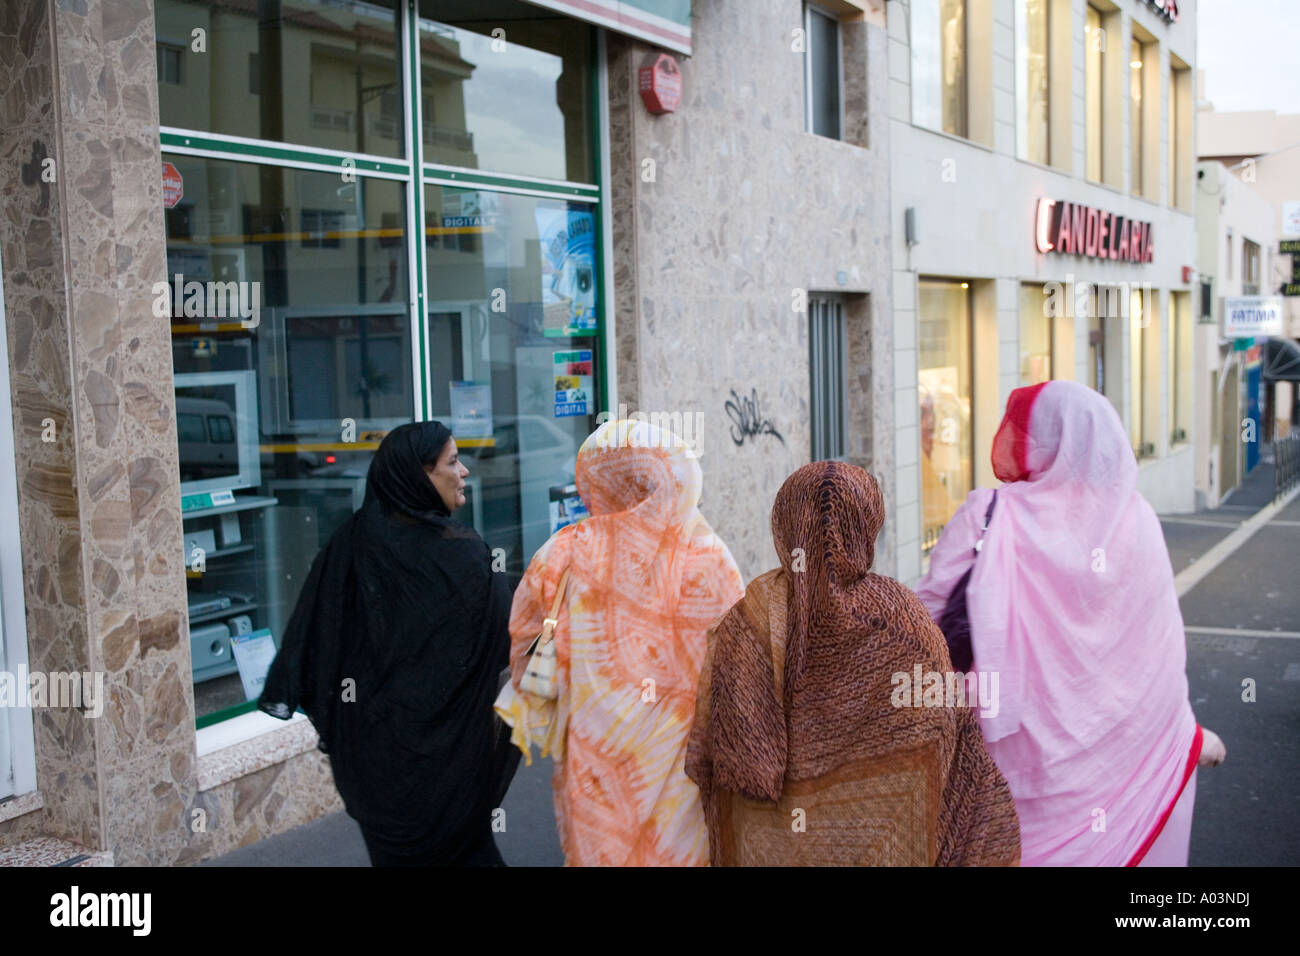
[721,210]
[82,241]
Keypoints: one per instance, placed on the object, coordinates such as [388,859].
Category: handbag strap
[549,623]
[988,516]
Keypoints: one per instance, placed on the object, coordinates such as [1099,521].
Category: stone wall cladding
[744,208]
[99,507]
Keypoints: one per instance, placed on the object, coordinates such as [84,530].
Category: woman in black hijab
[393,652]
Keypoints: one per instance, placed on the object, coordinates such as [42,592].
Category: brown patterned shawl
[794,711]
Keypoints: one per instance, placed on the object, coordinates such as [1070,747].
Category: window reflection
[938,41]
[945,397]
[313,385]
[516,100]
[1035,335]
[1031,55]
[320,72]
[1137,127]
[1094,51]
[511,306]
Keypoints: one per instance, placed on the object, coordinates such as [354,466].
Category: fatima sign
[1068,228]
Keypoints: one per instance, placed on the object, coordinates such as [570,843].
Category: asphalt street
[1243,630]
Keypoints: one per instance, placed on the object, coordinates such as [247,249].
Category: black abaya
[393,652]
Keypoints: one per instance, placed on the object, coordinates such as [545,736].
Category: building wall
[1225,204]
[1261,145]
[744,209]
[99,506]
[975,206]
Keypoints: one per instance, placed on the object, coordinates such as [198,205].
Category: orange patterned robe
[648,578]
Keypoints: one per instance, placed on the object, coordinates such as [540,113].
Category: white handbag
[539,675]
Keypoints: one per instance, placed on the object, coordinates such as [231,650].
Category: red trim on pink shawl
[1193,755]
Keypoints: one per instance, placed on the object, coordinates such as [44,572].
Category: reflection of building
[1090,125]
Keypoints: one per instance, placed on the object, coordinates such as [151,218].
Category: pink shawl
[1072,604]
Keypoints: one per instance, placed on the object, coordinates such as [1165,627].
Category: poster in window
[471,410]
[253,655]
[566,506]
[568,270]
[572,383]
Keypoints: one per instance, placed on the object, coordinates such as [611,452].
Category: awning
[665,23]
[1281,360]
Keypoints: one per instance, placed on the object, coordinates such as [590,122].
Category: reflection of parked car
[205,431]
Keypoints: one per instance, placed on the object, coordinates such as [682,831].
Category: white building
[1237,236]
[1248,205]
[1007,116]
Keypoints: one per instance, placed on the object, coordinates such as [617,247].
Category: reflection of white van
[205,431]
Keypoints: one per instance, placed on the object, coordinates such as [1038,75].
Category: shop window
[525,108]
[1135,116]
[1096,371]
[169,64]
[1144,343]
[1035,334]
[1094,60]
[1249,267]
[281,408]
[1144,112]
[317,69]
[944,391]
[939,44]
[1180,368]
[278,413]
[1032,39]
[1181,143]
[1044,81]
[823,83]
[827,361]
[512,347]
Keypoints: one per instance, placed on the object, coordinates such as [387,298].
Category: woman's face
[448,476]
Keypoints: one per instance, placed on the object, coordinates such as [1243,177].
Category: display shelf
[223,613]
[223,552]
[241,504]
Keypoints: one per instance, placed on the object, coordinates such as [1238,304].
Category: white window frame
[810,10]
[17,740]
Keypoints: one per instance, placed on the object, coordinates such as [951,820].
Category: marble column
[91,375]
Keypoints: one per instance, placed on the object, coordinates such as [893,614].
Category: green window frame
[415,174]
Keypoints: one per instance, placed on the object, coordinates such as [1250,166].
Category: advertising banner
[568,270]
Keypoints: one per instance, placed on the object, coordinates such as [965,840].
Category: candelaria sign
[1072,229]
